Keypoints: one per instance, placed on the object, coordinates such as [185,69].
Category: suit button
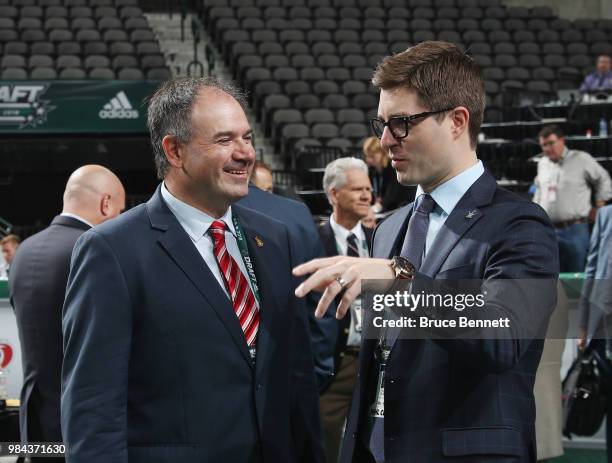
[259,386]
[354,435]
[346,331]
[391,381]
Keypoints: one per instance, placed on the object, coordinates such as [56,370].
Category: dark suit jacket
[156,367]
[37,285]
[342,325]
[305,245]
[464,400]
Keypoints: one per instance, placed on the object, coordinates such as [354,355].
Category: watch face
[403,267]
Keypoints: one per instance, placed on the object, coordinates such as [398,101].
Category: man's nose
[387,140]
[245,150]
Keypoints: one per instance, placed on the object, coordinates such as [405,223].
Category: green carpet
[580,456]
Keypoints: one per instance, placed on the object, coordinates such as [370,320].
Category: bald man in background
[37,284]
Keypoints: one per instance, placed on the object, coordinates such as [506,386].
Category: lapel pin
[471,214]
[259,242]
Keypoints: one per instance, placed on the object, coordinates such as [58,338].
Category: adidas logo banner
[119,107]
[67,106]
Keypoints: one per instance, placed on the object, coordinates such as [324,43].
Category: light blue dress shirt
[196,224]
[446,196]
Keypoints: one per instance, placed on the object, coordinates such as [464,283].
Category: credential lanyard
[246,258]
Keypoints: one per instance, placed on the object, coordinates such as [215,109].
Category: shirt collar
[566,153]
[342,233]
[195,222]
[448,194]
[78,217]
[564,156]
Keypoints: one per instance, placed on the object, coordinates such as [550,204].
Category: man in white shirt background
[566,181]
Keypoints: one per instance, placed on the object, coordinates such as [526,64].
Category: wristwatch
[403,269]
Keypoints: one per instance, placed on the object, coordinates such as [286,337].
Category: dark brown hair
[549,130]
[442,76]
[170,109]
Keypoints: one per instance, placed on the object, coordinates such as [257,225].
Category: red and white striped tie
[236,283]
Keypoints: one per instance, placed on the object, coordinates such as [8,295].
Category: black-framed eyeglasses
[400,125]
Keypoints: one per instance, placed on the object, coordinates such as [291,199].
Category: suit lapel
[329,240]
[180,248]
[368,232]
[464,216]
[399,221]
[263,257]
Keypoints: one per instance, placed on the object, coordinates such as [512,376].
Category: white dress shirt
[75,216]
[196,224]
[341,234]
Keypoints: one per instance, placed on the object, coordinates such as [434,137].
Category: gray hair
[170,109]
[335,173]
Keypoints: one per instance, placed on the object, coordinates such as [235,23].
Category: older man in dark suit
[37,286]
[183,340]
[446,399]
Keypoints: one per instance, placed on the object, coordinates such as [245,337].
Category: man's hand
[599,203]
[334,274]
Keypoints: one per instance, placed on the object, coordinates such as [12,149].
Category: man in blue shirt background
[601,79]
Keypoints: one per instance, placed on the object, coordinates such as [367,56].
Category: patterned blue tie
[412,249]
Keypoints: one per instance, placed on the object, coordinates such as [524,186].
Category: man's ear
[172,150]
[105,205]
[461,120]
[333,196]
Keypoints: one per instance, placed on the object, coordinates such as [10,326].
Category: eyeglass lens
[398,127]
